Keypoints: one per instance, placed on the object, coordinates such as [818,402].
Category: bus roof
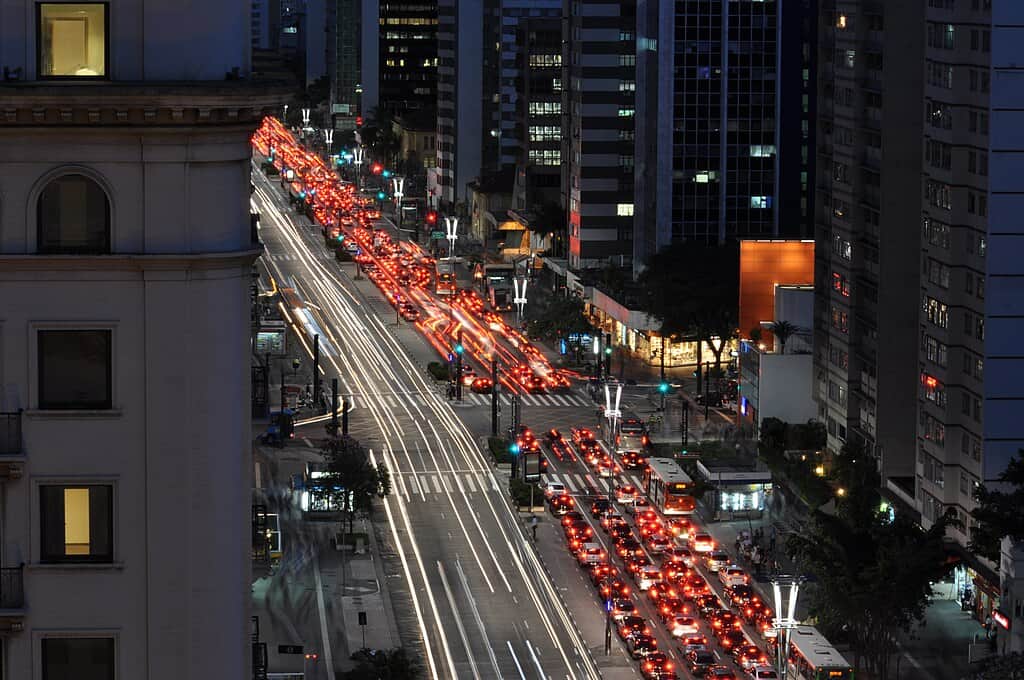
[668,471]
[813,646]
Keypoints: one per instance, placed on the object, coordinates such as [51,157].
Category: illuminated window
[760,201]
[73,217]
[624,209]
[76,523]
[72,40]
[762,150]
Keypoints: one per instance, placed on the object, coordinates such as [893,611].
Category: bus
[812,657]
[444,278]
[668,487]
[628,439]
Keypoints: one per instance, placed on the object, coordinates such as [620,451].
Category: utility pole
[685,421]
[458,365]
[282,387]
[344,416]
[494,397]
[706,383]
[316,371]
[334,408]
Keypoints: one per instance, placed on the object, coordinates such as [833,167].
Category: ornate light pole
[305,118]
[398,184]
[520,297]
[329,139]
[451,229]
[785,589]
[358,154]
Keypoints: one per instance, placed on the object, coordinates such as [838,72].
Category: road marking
[458,483]
[560,400]
[580,484]
[516,659]
[392,401]
[458,621]
[569,485]
[322,611]
[437,485]
[477,619]
[635,482]
[536,661]
[470,484]
[591,483]
[447,484]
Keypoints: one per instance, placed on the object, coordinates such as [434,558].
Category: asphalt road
[481,600]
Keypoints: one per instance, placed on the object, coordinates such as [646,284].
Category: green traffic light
[386,173]
[513,449]
[381,196]
[459,349]
[663,388]
[608,350]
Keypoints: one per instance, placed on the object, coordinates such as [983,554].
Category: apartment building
[869,161]
[598,109]
[125,260]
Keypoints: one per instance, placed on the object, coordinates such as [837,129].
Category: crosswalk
[396,400]
[413,485]
[587,484]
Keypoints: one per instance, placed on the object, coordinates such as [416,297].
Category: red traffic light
[377,168]
[359,121]
[431,217]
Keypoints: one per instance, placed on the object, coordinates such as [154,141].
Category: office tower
[407,57]
[598,108]
[711,122]
[125,262]
[347,72]
[869,154]
[467,97]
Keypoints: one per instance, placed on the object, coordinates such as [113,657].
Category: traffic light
[381,195]
[376,168]
[608,351]
[663,388]
[386,173]
[459,349]
[431,217]
[513,448]
[359,121]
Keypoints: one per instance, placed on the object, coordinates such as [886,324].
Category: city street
[481,600]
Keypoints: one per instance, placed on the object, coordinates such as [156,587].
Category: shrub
[520,492]
[498,448]
[438,370]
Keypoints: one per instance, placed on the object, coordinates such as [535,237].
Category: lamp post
[612,414]
[398,184]
[520,298]
[358,160]
[305,118]
[329,139]
[451,230]
[785,589]
[284,116]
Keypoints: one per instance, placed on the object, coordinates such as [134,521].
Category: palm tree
[784,330]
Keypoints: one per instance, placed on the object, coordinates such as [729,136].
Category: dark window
[77,523]
[74,217]
[78,658]
[72,40]
[75,369]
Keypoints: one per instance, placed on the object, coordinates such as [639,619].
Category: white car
[763,673]
[552,489]
[648,576]
[733,575]
[683,625]
[590,553]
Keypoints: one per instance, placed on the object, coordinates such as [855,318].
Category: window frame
[44,184]
[99,633]
[36,374]
[100,561]
[106,41]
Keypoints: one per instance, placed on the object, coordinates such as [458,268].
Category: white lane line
[536,661]
[605,484]
[437,485]
[392,401]
[458,483]
[470,483]
[478,620]
[401,486]
[516,659]
[458,621]
[494,484]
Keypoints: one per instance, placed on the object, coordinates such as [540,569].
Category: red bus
[668,487]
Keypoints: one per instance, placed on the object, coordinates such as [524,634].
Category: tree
[353,478]
[378,133]
[999,510]
[784,330]
[873,573]
[693,289]
[558,317]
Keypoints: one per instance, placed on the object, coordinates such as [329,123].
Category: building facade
[869,155]
[598,109]
[407,56]
[125,260]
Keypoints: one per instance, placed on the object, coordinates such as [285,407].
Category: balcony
[12,600]
[11,450]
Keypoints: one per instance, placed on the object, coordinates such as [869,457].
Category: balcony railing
[12,592]
[10,433]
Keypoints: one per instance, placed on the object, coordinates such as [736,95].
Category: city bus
[668,487]
[444,278]
[812,657]
[631,442]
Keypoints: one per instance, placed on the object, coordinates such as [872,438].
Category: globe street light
[398,184]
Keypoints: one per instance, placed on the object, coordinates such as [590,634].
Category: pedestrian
[739,542]
[533,525]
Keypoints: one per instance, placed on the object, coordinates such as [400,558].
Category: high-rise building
[125,263]
[711,122]
[598,109]
[869,154]
[467,96]
[407,56]
[347,71]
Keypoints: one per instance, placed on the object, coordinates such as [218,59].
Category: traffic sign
[437,235]
[289,649]
[362,618]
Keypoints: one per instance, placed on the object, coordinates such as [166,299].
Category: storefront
[734,492]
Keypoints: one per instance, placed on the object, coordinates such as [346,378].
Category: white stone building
[125,258]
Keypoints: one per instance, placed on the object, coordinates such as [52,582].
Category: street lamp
[284,116]
[358,154]
[785,589]
[520,298]
[398,183]
[612,414]
[305,118]
[329,138]
[451,230]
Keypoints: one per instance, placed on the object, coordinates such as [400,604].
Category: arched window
[74,217]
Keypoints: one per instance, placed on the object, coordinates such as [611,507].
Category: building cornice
[10,264]
[53,103]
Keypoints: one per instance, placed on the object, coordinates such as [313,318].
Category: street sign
[289,649]
[437,235]
[362,618]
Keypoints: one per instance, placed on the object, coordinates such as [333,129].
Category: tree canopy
[557,317]
[999,510]
[355,477]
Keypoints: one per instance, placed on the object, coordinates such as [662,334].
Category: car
[554,488]
[657,543]
[599,507]
[691,585]
[590,553]
[410,313]
[723,619]
[612,587]
[632,625]
[729,638]
[716,559]
[671,606]
[639,504]
[641,645]
[601,570]
[688,643]
[611,518]
[606,467]
[732,575]
[627,546]
[679,526]
[682,626]
[637,562]
[647,576]
[535,385]
[749,655]
[560,505]
[648,527]
[625,494]
[702,542]
[655,665]
[481,385]
[685,555]
[621,608]
[620,531]
[578,533]
[719,673]
[552,436]
[707,604]
[571,516]
[699,660]
[763,672]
